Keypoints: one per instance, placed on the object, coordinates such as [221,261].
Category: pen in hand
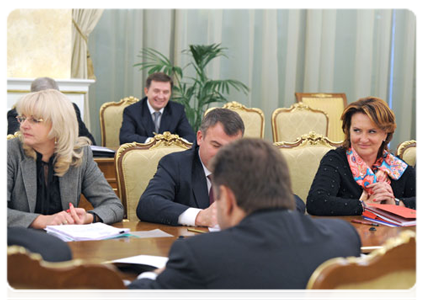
[364,222]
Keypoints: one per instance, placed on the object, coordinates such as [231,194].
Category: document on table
[155,233]
[140,263]
[85,232]
[146,260]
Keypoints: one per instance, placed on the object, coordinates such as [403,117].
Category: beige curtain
[275,52]
[84,21]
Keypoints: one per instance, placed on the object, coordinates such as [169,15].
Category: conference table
[104,251]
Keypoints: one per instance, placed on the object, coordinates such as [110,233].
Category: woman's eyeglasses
[31,120]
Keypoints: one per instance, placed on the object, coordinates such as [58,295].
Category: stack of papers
[86,232]
[147,260]
[140,263]
[390,215]
[99,151]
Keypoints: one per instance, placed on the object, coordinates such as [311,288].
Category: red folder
[394,214]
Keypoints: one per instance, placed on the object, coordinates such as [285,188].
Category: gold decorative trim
[19,250]
[403,238]
[312,138]
[301,96]
[238,106]
[404,146]
[159,140]
[299,106]
[15,135]
[321,95]
[125,101]
[166,139]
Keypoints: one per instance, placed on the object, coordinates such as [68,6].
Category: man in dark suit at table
[264,242]
[155,113]
[178,194]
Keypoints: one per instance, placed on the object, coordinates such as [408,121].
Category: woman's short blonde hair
[55,108]
[378,112]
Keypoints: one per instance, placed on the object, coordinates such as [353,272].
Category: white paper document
[155,233]
[101,149]
[149,260]
[86,232]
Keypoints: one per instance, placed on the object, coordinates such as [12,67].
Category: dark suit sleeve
[12,123]
[157,204]
[184,129]
[128,131]
[83,130]
[36,241]
[409,190]
[181,271]
[299,204]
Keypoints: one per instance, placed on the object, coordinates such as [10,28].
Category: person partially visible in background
[39,84]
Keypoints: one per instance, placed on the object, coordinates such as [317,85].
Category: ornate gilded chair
[290,123]
[111,120]
[332,104]
[391,267]
[12,136]
[407,152]
[253,118]
[27,270]
[136,164]
[303,157]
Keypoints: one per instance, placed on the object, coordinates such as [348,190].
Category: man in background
[264,243]
[39,84]
[155,113]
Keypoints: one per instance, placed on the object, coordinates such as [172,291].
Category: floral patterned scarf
[387,166]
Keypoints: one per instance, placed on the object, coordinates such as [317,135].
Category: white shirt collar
[152,110]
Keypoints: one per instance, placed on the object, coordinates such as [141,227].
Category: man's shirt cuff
[188,217]
[147,275]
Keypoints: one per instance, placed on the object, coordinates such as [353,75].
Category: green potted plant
[195,93]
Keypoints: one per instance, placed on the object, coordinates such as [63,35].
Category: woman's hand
[71,216]
[80,215]
[382,193]
[60,218]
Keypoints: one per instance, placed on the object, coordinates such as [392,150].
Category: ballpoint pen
[196,230]
[364,222]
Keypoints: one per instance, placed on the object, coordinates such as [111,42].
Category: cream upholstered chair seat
[391,267]
[407,152]
[26,270]
[303,157]
[136,164]
[253,118]
[333,105]
[288,124]
[111,115]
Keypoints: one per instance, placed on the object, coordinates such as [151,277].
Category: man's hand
[207,217]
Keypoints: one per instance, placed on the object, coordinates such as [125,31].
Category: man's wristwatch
[397,201]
